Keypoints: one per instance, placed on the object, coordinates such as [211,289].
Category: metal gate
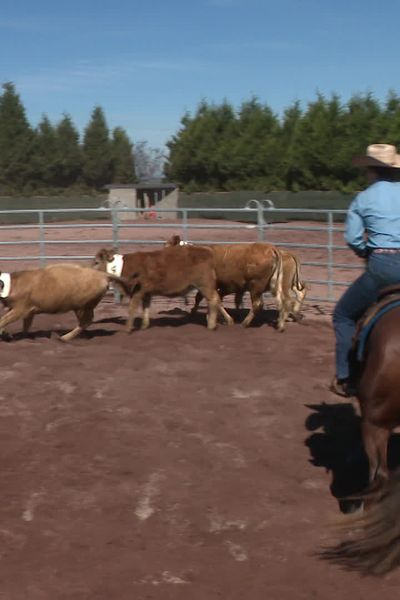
[327,263]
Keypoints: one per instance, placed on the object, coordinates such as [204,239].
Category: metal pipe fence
[315,243]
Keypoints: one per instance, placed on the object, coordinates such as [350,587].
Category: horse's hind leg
[375,443]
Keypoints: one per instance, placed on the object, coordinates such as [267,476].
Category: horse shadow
[336,444]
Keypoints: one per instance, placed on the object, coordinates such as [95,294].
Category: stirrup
[342,388]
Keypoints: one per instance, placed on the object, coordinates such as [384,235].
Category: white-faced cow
[170,272]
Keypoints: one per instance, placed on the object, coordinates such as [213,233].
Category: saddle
[388,298]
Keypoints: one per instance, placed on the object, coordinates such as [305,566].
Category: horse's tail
[373,544]
[275,283]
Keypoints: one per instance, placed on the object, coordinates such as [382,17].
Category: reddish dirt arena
[175,463]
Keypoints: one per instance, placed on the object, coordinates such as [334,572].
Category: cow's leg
[85,318]
[27,323]
[214,303]
[283,312]
[146,311]
[298,302]
[198,299]
[238,299]
[134,303]
[256,306]
[229,320]
[13,315]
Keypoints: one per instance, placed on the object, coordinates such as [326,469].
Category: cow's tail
[128,285]
[297,283]
[275,284]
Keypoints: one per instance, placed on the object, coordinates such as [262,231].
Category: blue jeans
[382,270]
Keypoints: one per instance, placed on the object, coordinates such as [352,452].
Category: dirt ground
[174,463]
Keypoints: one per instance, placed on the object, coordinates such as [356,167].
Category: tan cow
[240,268]
[168,272]
[55,289]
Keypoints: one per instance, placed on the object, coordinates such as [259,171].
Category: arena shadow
[336,444]
[264,317]
[178,317]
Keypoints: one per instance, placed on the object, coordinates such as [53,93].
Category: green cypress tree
[197,150]
[258,147]
[364,125]
[45,156]
[123,163]
[69,153]
[288,136]
[97,156]
[16,142]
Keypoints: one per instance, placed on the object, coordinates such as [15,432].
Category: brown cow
[55,289]
[255,268]
[168,272]
[293,288]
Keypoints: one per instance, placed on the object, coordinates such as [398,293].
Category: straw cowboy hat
[378,155]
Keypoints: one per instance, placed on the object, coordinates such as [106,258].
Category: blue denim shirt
[373,218]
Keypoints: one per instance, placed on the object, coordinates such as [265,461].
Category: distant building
[144,195]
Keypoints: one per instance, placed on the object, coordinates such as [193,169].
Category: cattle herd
[214,271]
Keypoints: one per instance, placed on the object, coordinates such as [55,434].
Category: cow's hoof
[6,337]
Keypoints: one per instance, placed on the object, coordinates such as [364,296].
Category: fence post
[42,243]
[260,221]
[185,225]
[115,237]
[330,256]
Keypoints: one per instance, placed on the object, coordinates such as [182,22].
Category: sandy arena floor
[175,463]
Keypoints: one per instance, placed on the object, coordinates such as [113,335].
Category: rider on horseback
[372,232]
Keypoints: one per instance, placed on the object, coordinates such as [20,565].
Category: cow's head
[175,240]
[103,257]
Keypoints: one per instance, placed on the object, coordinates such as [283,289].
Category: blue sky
[146,62]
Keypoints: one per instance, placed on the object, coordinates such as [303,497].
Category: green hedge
[47,202]
[301,200]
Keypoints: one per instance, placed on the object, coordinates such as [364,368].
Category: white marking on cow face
[182,243]
[114,267]
[5,285]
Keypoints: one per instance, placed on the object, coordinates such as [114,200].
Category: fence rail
[316,245]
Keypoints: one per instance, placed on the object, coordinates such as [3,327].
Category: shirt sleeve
[354,229]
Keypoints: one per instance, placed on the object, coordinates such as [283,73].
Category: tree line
[217,148]
[220,148]
[53,157]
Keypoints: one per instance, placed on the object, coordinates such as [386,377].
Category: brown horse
[373,544]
